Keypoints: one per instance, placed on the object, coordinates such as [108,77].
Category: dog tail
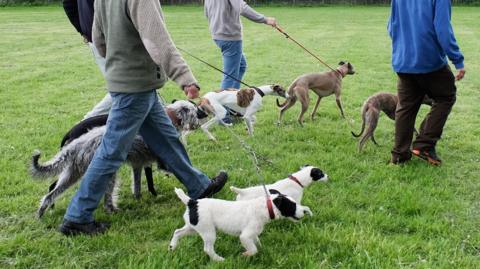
[236,190]
[181,194]
[282,105]
[364,113]
[50,168]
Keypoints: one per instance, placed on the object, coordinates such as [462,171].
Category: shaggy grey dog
[73,159]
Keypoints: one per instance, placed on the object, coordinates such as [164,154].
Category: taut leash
[304,48]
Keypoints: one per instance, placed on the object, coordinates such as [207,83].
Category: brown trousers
[439,86]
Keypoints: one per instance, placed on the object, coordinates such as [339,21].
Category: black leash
[262,94]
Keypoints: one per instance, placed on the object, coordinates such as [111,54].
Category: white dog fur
[287,186]
[241,218]
[214,102]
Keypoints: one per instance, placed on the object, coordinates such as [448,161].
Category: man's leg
[232,55]
[242,70]
[127,114]
[162,138]
[441,88]
[410,96]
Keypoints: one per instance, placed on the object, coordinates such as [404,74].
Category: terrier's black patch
[193,211]
[286,206]
[316,174]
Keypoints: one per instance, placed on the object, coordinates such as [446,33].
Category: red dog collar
[296,180]
[270,208]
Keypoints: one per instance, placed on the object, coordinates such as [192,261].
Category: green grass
[369,215]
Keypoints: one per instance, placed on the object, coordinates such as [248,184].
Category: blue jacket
[422,36]
[80,14]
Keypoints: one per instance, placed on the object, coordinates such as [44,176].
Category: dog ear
[316,174]
[286,206]
[273,191]
[174,100]
[201,114]
[341,63]
[349,65]
[303,166]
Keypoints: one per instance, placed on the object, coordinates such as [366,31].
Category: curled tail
[181,194]
[364,112]
[50,168]
[282,105]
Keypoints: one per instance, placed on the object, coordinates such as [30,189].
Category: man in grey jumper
[226,29]
[140,57]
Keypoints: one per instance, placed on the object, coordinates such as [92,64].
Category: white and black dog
[72,161]
[245,102]
[241,218]
[292,186]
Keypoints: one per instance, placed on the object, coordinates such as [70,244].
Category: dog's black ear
[341,63]
[174,100]
[316,174]
[349,65]
[201,114]
[273,191]
[286,206]
[305,165]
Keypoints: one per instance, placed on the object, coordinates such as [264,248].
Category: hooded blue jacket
[422,36]
[80,14]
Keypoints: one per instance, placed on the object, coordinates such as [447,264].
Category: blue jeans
[133,113]
[234,62]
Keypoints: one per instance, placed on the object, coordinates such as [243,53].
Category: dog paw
[218,259]
[248,253]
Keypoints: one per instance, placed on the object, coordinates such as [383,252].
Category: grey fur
[73,159]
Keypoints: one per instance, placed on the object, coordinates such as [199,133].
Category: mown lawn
[369,215]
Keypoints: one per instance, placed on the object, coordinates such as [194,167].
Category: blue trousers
[133,113]
[234,62]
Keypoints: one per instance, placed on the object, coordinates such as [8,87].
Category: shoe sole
[426,158]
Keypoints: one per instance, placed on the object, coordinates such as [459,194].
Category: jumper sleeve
[444,32]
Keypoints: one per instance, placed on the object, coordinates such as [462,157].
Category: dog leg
[371,119]
[183,137]
[178,234]
[248,242]
[339,104]
[209,236]
[312,116]
[149,176]
[304,101]
[65,181]
[207,126]
[257,241]
[289,103]
[110,198]
[249,119]
[137,182]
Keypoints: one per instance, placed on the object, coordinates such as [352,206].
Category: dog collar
[296,180]
[262,94]
[340,72]
[173,117]
[270,208]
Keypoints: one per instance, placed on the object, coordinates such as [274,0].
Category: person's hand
[460,74]
[271,21]
[191,91]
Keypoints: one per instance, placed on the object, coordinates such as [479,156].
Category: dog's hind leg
[372,121]
[178,234]
[209,236]
[51,188]
[314,112]
[305,101]
[149,175]
[248,242]
[110,198]
[288,104]
[65,181]
[137,182]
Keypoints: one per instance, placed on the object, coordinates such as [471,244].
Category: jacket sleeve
[444,32]
[245,10]
[71,9]
[147,18]
[98,37]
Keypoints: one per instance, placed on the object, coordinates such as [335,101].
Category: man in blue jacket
[422,39]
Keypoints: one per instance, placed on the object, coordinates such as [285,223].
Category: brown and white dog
[323,84]
[245,102]
[382,101]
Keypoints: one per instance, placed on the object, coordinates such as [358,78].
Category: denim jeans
[133,113]
[234,62]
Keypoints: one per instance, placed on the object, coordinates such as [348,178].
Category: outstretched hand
[271,21]
[460,74]
[191,91]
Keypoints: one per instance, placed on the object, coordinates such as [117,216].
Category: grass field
[369,215]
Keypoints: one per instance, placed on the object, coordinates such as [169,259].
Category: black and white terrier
[291,186]
[245,219]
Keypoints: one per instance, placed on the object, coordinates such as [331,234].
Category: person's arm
[147,18]
[71,9]
[245,10]
[445,35]
[98,36]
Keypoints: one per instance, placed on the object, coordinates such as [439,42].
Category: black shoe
[398,161]
[429,155]
[69,228]
[216,185]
